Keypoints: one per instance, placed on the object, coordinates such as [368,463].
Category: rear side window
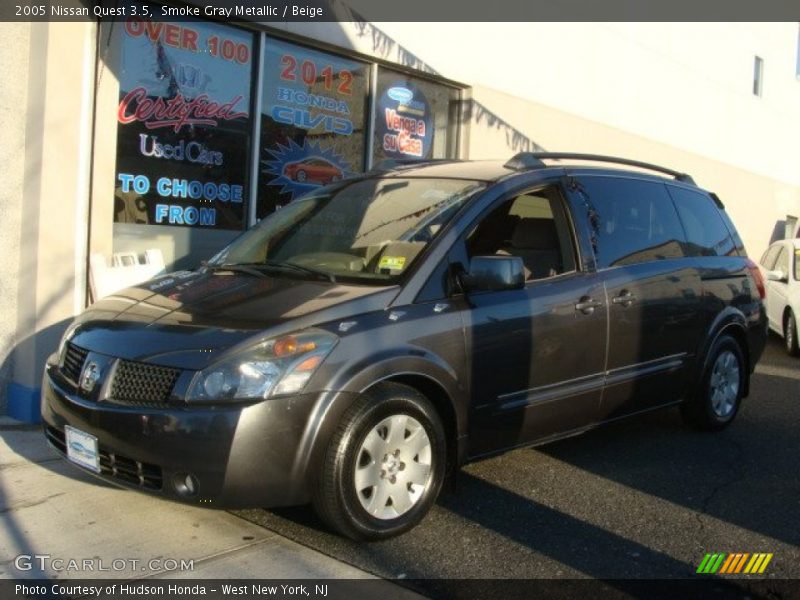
[706,232]
[633,221]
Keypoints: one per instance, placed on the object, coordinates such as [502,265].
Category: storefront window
[184,124]
[183,95]
[313,119]
[414,118]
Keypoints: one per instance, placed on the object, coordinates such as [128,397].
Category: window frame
[669,200]
[511,196]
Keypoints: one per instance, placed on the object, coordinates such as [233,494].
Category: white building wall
[688,85]
[678,94]
[13,102]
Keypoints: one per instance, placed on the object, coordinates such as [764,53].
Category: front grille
[57,438]
[140,384]
[114,465]
[74,357]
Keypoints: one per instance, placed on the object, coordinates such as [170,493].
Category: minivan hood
[187,319]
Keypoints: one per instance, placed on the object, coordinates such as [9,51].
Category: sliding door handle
[586,305]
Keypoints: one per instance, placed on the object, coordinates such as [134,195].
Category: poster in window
[183,124]
[404,125]
[415,119]
[312,122]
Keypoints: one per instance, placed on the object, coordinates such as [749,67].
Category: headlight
[273,368]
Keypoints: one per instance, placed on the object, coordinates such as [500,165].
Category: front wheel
[790,334]
[716,401]
[384,466]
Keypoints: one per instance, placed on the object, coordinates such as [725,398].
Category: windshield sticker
[393,263]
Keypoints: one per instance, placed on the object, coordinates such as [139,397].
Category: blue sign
[403,123]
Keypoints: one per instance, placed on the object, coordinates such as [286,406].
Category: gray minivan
[355,348]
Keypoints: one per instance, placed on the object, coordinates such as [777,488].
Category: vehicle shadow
[28,442]
[599,505]
[745,475]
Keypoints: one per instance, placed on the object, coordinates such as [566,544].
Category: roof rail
[398,164]
[535,160]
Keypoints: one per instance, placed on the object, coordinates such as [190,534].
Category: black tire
[790,334]
[301,176]
[701,410]
[335,497]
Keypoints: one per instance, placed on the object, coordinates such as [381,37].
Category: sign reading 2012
[300,108]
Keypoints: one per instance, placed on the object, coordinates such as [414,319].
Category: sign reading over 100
[186,38]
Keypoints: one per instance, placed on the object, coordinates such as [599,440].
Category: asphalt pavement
[643,498]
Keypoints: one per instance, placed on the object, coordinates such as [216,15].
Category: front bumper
[253,455]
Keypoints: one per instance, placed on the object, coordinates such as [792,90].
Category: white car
[781,264]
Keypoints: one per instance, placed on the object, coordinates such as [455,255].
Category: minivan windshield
[366,231]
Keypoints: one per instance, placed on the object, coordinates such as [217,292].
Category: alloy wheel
[393,467]
[724,384]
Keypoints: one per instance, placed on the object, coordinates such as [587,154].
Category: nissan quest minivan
[356,347]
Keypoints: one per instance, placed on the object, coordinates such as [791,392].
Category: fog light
[185,484]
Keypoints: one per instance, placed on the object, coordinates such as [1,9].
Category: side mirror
[494,273]
[777,275]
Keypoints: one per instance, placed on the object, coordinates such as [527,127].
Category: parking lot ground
[644,498]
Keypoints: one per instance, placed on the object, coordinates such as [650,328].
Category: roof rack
[398,164]
[535,160]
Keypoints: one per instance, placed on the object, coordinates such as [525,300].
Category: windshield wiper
[257,269]
[282,264]
[248,268]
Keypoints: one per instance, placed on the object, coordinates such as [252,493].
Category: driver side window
[533,226]
[782,264]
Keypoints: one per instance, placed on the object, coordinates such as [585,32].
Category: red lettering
[175,112]
[172,35]
[408,124]
[189,39]
[134,27]
[153,30]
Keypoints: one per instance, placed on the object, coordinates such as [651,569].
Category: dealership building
[154,141]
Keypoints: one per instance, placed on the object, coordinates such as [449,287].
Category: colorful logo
[299,169]
[732,564]
[400,94]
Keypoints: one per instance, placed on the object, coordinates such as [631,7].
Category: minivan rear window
[634,221]
[706,231]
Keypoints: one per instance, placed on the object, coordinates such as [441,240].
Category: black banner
[341,589]
[267,11]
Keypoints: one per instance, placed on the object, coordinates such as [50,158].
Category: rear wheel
[790,334]
[717,399]
[384,466]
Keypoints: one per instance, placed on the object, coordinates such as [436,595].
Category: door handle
[586,305]
[625,299]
